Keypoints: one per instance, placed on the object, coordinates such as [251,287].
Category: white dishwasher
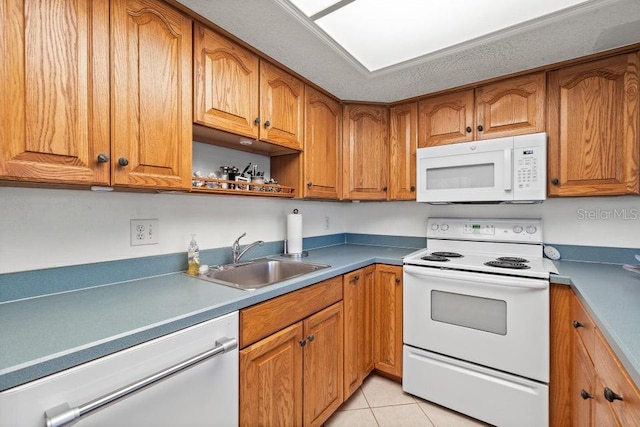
[188,378]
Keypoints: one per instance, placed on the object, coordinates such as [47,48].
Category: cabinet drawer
[612,375]
[261,320]
[583,325]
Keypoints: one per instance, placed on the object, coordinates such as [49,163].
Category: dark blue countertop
[43,335]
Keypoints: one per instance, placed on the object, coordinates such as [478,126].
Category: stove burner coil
[447,254]
[512,259]
[507,264]
[435,258]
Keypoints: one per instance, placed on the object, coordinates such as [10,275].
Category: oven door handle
[484,279]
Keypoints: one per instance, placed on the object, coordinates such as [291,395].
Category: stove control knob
[444,227]
[517,229]
[434,227]
[532,229]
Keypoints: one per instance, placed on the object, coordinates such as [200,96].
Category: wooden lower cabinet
[323,365]
[387,337]
[601,392]
[271,380]
[358,290]
[293,376]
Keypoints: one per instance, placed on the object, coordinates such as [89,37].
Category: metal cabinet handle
[468,129]
[397,280]
[384,188]
[611,395]
[267,124]
[63,415]
[577,324]
[356,277]
[585,394]
[257,120]
[412,188]
[309,184]
[311,338]
[555,181]
[480,128]
[103,158]
[122,161]
[303,343]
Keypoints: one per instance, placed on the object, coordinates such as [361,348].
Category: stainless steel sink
[259,273]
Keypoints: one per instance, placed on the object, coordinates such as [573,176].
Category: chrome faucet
[235,248]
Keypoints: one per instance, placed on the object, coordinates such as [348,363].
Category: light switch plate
[145,232]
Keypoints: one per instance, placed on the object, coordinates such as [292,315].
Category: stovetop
[497,246]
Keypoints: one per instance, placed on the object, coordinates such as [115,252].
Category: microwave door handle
[508,169]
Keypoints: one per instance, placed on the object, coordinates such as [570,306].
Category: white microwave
[501,170]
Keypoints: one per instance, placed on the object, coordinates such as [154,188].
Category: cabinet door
[593,128]
[271,380]
[446,119]
[403,141]
[358,327]
[582,386]
[511,107]
[54,86]
[322,146]
[281,107]
[225,84]
[366,319]
[151,95]
[365,145]
[388,319]
[323,361]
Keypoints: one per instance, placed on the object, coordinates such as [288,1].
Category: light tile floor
[381,402]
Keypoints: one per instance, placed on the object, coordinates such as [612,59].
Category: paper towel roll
[294,234]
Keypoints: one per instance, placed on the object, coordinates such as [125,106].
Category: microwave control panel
[527,167]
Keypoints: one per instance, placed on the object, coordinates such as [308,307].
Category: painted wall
[587,221]
[49,228]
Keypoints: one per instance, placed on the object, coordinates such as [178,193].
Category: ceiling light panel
[382,33]
[311,7]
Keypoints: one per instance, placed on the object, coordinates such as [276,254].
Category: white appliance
[502,170]
[476,320]
[188,378]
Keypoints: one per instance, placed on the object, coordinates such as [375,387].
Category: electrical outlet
[327,222]
[144,232]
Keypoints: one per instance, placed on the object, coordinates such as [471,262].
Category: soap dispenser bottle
[193,257]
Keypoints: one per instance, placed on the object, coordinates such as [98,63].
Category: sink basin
[259,273]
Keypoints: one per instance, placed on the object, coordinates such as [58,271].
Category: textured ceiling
[268,26]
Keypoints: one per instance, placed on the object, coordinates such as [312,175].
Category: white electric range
[476,320]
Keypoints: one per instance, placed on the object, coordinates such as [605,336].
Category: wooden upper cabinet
[54,117]
[402,159]
[446,119]
[593,128]
[281,107]
[151,95]
[226,80]
[510,107]
[323,143]
[365,158]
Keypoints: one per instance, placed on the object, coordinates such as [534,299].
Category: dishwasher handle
[487,279]
[63,415]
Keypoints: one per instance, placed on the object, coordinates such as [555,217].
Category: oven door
[492,320]
[467,172]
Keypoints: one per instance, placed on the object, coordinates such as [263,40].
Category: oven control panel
[495,230]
